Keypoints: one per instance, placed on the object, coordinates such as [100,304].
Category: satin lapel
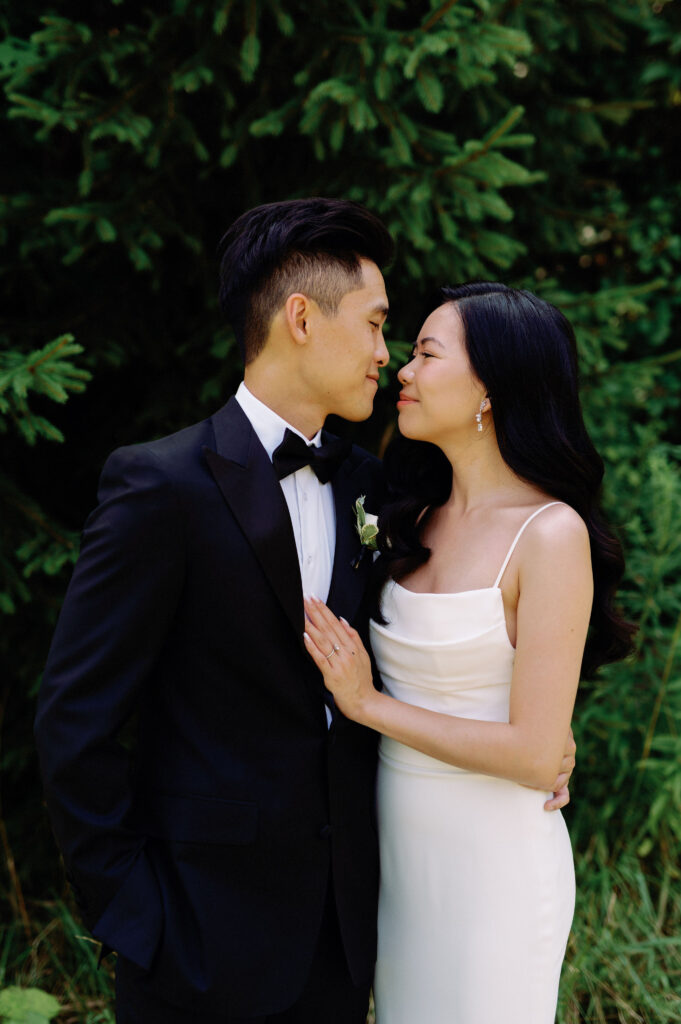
[347,582]
[249,485]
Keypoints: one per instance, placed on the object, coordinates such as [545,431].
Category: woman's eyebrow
[422,341]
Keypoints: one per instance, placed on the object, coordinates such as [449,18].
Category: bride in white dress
[496,539]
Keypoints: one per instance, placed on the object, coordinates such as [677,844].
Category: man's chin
[357,413]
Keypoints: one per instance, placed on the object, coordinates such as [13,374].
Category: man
[206,861]
[230,858]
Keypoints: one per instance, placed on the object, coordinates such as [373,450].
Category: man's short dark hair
[312,246]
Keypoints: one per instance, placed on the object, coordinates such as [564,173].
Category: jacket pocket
[200,819]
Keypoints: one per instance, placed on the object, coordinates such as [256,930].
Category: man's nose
[382,354]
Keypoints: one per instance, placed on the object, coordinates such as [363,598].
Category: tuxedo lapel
[349,578]
[249,485]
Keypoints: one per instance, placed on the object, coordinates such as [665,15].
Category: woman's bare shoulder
[560,521]
[559,533]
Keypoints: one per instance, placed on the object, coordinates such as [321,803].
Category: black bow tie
[293,453]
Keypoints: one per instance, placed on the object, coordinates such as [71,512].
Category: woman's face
[440,393]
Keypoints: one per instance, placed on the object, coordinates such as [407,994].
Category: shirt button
[309,559]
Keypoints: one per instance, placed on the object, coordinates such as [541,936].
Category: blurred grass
[60,959]
[623,962]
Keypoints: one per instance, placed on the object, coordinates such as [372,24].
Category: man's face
[346,350]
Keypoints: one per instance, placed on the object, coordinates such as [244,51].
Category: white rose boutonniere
[366,525]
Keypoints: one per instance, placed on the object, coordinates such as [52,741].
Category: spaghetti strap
[519,535]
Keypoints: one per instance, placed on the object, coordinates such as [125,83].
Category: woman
[495,562]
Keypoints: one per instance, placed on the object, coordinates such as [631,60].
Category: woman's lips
[405,400]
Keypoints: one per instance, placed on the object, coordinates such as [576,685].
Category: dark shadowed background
[530,142]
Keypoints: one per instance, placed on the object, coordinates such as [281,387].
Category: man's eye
[374,324]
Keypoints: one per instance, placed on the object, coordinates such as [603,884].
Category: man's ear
[297,310]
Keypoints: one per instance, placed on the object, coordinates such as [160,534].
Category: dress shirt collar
[267,424]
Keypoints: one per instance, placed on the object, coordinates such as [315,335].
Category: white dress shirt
[310,503]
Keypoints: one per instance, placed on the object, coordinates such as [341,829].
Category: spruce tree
[529,142]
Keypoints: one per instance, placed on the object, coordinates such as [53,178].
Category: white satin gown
[477,879]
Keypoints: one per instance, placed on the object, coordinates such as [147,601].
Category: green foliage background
[533,142]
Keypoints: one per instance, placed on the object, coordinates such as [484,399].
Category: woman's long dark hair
[523,351]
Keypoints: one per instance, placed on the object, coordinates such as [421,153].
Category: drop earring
[478,415]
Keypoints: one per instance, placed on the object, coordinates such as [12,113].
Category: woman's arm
[556,590]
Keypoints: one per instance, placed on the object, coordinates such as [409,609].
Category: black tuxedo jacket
[197,795]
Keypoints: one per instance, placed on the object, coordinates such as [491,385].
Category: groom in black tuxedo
[227,849]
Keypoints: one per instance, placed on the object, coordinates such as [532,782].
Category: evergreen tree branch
[438,15]
[46,372]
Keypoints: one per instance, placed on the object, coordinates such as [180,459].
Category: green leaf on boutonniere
[366,525]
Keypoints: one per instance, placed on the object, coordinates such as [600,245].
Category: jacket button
[325,832]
